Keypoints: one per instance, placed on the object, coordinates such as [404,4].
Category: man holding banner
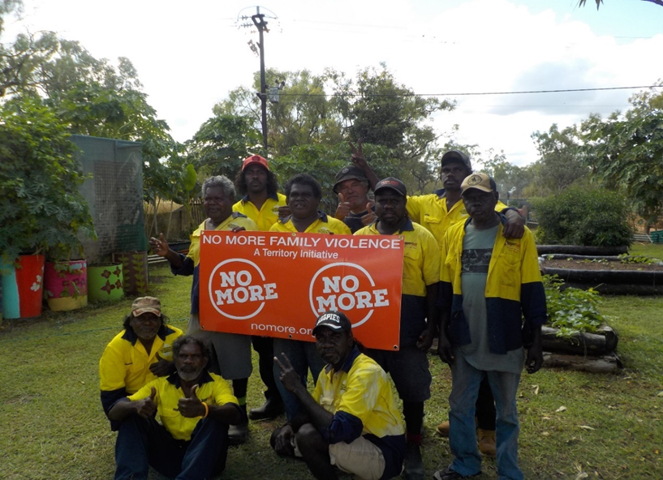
[263,204]
[233,352]
[408,366]
[303,195]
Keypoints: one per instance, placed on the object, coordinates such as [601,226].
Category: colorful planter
[65,285]
[105,282]
[134,269]
[22,285]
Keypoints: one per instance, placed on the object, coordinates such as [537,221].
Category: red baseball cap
[255,159]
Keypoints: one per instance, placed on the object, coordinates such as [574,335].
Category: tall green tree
[561,162]
[625,152]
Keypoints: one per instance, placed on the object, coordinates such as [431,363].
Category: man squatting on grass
[195,407]
[487,284]
[352,419]
[138,354]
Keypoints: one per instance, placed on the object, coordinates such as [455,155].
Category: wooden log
[605,364]
[581,250]
[593,344]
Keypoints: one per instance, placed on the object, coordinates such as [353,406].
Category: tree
[510,179]
[221,143]
[561,163]
[41,207]
[625,152]
[331,108]
[581,3]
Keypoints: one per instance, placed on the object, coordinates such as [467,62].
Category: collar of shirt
[347,365]
[273,196]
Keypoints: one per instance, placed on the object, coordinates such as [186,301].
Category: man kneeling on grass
[352,419]
[195,407]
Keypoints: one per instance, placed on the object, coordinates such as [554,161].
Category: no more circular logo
[346,287]
[237,289]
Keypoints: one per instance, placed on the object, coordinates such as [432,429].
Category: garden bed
[607,275]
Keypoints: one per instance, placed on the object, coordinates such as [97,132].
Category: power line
[466,94]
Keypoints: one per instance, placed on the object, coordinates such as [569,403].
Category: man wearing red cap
[262,203]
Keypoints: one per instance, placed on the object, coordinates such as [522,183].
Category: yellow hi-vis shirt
[126,364]
[233,221]
[430,211]
[212,389]
[268,213]
[513,289]
[363,391]
[421,257]
[324,224]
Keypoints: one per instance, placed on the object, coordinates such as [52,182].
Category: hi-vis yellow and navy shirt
[125,365]
[212,389]
[513,289]
[191,262]
[268,213]
[430,211]
[421,258]
[363,403]
[324,224]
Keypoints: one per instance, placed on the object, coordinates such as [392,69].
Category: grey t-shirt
[477,250]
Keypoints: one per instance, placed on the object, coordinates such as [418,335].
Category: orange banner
[277,284]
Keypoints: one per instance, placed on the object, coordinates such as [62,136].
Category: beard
[189,375]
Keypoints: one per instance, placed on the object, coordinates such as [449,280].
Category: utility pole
[259,21]
[261,25]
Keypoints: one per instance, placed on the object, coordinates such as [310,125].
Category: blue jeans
[303,356]
[143,442]
[462,428]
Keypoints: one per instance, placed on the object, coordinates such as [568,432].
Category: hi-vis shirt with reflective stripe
[430,211]
[268,214]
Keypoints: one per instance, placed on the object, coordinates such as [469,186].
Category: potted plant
[41,207]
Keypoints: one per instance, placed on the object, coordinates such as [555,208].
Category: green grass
[650,249]
[52,425]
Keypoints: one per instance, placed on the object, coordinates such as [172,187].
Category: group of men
[470,273]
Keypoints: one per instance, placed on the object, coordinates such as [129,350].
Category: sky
[190,55]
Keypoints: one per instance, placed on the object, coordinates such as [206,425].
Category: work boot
[443,429]
[272,408]
[486,442]
[238,434]
[414,465]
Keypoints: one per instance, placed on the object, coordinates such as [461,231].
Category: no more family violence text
[330,241]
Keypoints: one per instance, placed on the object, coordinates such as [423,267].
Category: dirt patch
[601,265]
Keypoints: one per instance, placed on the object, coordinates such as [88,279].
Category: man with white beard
[195,407]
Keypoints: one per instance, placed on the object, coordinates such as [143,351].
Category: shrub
[579,216]
[571,310]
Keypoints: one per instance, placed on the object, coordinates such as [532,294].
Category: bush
[579,216]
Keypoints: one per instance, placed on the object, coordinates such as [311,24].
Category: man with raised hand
[352,420]
[303,194]
[408,366]
[488,284]
[195,408]
[352,184]
[262,203]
